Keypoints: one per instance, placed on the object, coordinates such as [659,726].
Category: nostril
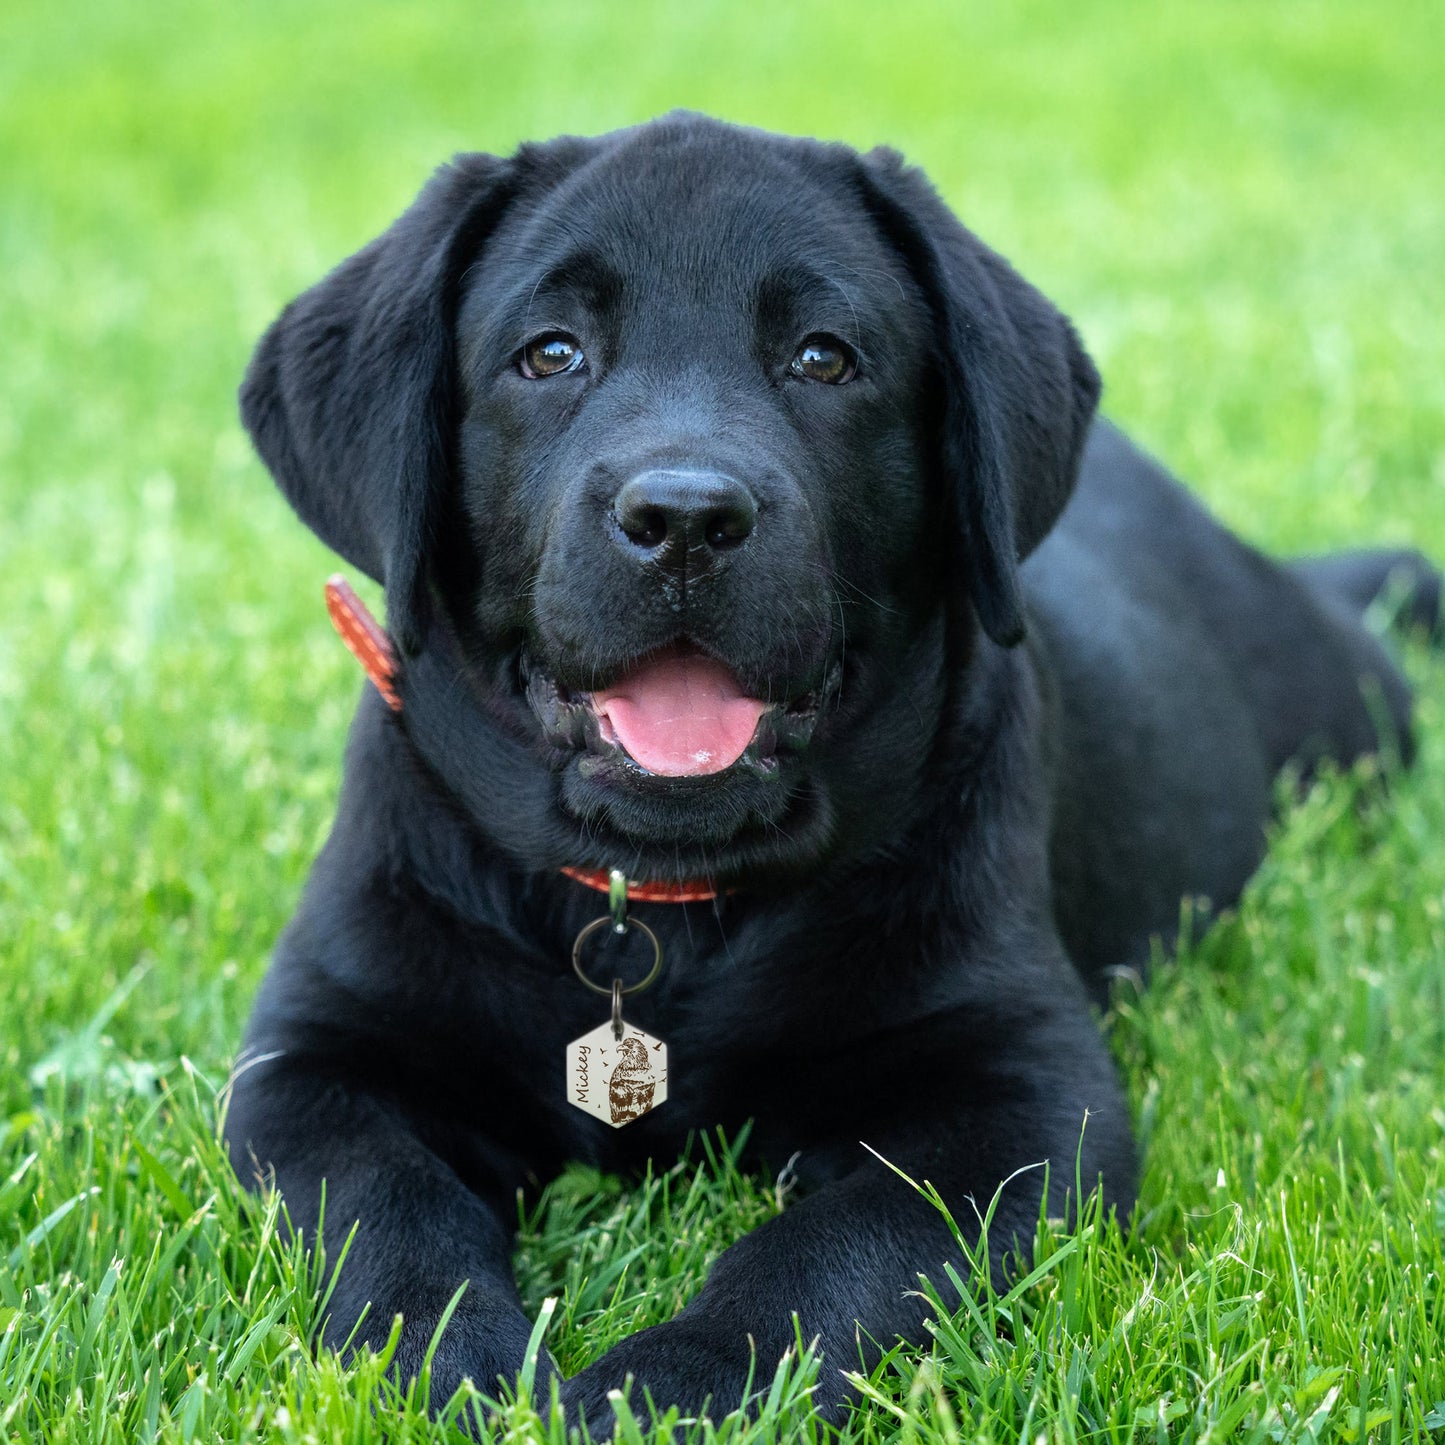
[646,526]
[729,525]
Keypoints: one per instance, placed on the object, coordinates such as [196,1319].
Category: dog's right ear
[1019,391]
[350,396]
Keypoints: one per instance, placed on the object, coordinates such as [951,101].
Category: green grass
[1244,208]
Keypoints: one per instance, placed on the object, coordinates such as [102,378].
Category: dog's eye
[824,358]
[550,354]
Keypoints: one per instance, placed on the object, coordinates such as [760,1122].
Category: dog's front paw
[485,1342]
[676,1364]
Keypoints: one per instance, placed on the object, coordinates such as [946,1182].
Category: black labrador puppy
[746,528]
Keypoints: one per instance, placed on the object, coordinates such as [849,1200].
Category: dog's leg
[847,1258]
[1401,579]
[421,1232]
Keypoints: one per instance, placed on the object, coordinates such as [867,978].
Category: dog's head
[705,445]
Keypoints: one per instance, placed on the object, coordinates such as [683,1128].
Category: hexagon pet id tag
[617,1073]
[617,1079]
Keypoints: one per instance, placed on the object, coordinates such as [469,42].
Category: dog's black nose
[682,519]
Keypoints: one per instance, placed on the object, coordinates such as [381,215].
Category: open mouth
[674,713]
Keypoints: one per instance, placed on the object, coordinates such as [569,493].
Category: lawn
[1243,207]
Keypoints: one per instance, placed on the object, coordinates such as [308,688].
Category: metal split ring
[615,988]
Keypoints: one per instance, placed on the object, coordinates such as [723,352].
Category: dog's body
[936,841]
[1189,670]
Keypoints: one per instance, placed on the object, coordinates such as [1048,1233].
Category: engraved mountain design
[632,1085]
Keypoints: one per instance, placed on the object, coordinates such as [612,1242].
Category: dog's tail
[1398,585]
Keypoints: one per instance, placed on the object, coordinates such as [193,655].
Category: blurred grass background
[1242,206]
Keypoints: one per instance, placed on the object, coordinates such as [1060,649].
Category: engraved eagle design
[632,1085]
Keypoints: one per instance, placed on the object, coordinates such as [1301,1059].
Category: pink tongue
[680,714]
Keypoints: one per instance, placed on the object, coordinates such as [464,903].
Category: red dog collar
[368,643]
[690,890]
[364,637]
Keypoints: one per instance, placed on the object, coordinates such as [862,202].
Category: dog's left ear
[350,396]
[1018,389]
